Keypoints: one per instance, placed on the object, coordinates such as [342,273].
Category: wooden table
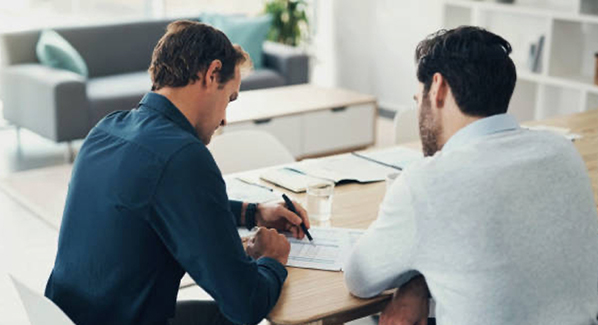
[321,296]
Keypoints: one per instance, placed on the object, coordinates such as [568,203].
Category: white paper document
[562,131]
[247,191]
[397,157]
[289,178]
[328,251]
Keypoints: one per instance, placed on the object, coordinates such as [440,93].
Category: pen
[291,207]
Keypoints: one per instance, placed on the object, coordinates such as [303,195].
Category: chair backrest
[238,151]
[40,310]
[406,127]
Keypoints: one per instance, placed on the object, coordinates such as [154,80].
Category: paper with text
[328,251]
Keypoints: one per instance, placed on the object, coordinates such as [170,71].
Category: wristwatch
[250,222]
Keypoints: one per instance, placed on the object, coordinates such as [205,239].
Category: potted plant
[289,21]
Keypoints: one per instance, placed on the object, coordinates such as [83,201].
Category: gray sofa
[63,106]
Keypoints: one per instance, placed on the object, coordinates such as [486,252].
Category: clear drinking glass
[319,200]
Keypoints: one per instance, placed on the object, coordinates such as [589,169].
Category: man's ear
[439,90]
[212,76]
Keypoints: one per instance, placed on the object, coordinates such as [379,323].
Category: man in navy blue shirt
[147,203]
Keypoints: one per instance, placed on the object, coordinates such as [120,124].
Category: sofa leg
[70,152]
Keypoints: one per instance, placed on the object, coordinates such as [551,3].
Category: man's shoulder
[156,135]
[495,154]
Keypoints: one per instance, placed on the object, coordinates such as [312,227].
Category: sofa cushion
[262,78]
[118,92]
[54,51]
[249,32]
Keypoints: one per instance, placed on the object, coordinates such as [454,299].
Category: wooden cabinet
[308,120]
[337,129]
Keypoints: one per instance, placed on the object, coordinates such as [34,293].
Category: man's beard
[429,128]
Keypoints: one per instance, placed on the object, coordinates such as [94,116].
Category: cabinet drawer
[337,129]
[287,129]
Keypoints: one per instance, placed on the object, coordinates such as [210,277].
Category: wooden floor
[28,245]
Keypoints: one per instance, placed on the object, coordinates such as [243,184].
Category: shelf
[574,82]
[558,101]
[523,102]
[527,75]
[508,25]
[573,47]
[553,12]
[539,9]
[564,83]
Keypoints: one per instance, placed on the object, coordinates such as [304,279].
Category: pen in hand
[291,207]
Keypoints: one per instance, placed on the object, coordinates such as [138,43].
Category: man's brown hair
[186,49]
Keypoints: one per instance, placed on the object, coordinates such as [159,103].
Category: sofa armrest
[50,102]
[290,62]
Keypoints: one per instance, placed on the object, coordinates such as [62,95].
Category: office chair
[238,151]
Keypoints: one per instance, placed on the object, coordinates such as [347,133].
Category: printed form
[328,251]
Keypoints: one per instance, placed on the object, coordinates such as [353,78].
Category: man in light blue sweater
[498,224]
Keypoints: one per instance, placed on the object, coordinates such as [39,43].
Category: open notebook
[362,167]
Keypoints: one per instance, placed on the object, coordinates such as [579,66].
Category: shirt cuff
[275,266]
[236,207]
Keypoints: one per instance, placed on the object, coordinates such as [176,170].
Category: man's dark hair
[188,47]
[475,64]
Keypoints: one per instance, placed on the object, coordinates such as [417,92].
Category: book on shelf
[535,55]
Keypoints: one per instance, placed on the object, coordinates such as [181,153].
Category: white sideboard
[309,120]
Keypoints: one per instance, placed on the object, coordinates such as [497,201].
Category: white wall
[374,44]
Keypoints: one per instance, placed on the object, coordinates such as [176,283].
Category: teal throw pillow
[249,32]
[54,51]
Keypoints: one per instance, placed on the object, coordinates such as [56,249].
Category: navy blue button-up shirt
[146,203]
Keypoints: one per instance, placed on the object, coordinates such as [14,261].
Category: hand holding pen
[280,217]
[291,207]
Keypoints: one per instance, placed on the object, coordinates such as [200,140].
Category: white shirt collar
[486,126]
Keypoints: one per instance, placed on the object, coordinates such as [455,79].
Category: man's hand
[269,243]
[409,305]
[276,215]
